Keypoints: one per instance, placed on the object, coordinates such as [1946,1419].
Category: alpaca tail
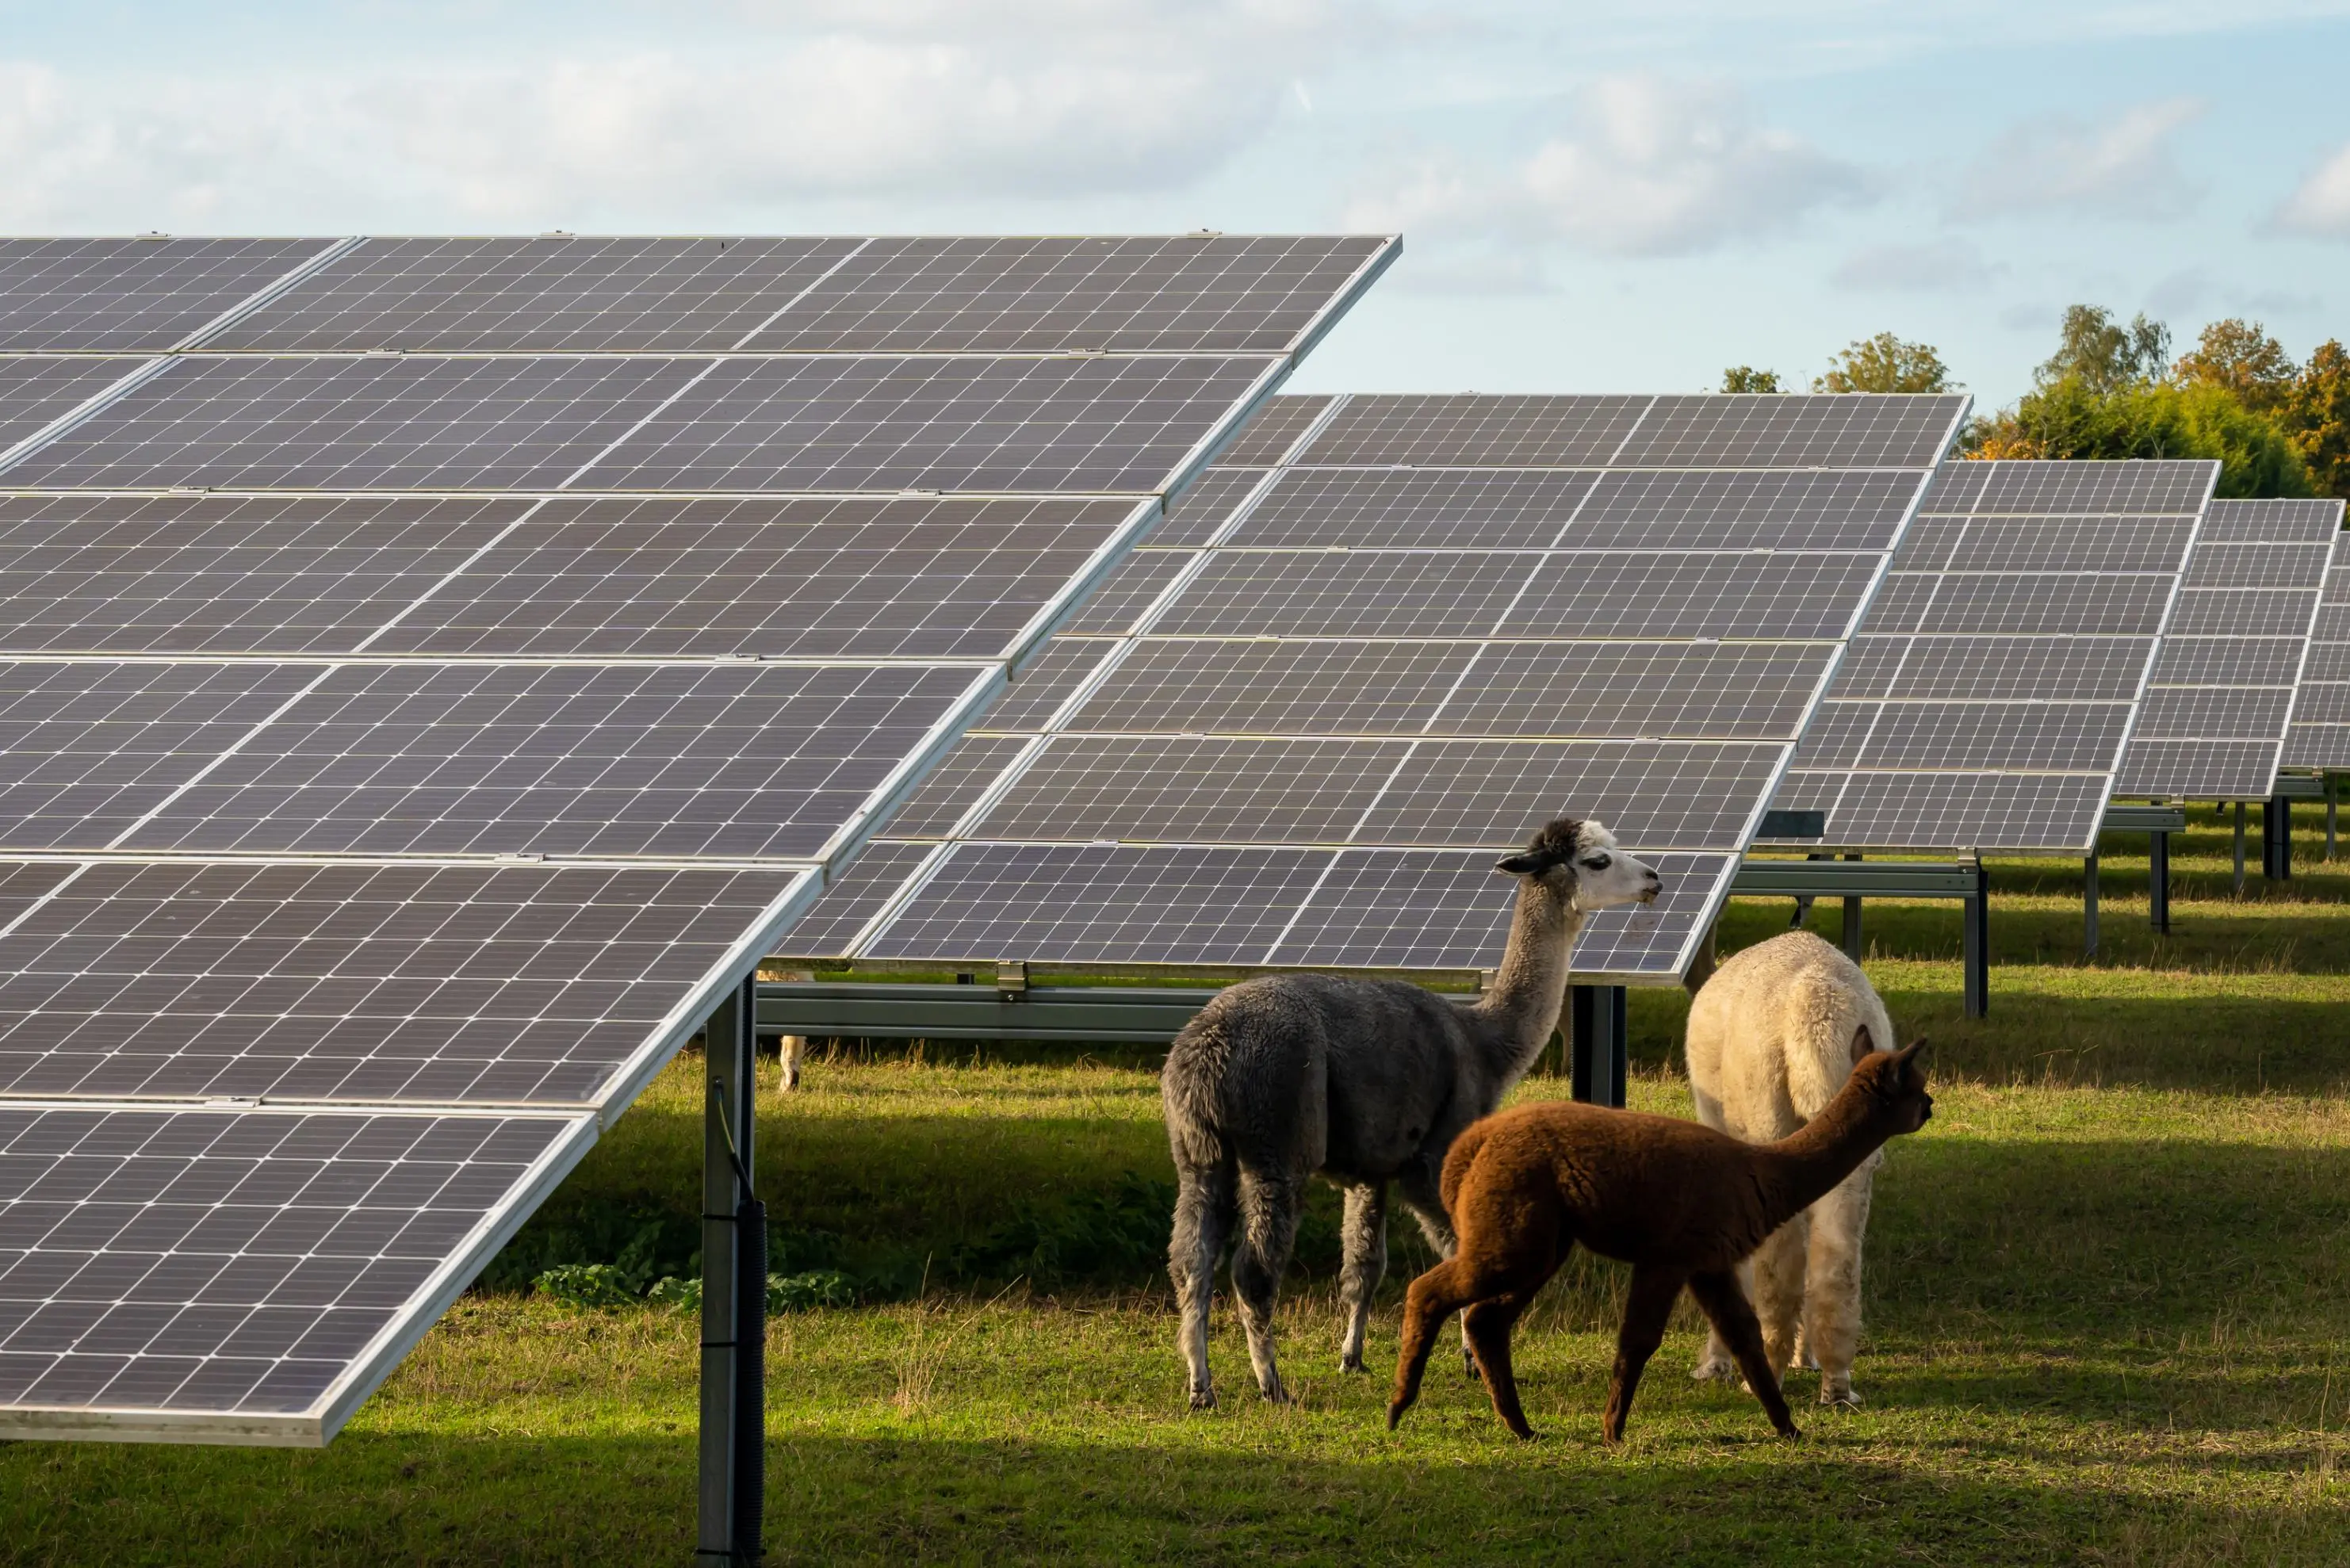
[1188,1090]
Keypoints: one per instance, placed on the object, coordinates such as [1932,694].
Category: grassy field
[2106,1297]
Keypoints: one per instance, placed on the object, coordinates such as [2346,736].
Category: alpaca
[1680,1202]
[1365,1082]
[1770,1043]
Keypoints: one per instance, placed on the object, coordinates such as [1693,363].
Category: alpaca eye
[1598,862]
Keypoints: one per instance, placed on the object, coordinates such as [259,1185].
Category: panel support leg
[2332,801]
[2089,906]
[1976,958]
[2157,882]
[1595,1021]
[733,1292]
[1854,947]
[2276,838]
[2240,849]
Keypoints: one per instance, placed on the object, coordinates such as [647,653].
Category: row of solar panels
[400,749]
[1292,728]
[433,670]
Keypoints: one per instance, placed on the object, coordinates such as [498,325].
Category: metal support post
[2157,882]
[2240,849]
[2276,838]
[1596,1026]
[2089,905]
[1976,946]
[1855,949]
[2332,801]
[734,1289]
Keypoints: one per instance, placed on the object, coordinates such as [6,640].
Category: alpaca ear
[1518,865]
[1863,1043]
[1910,1055]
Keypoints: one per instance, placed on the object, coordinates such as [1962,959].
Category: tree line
[2111,389]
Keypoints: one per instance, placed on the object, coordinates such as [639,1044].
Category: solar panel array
[433,671]
[2320,736]
[1988,699]
[1382,640]
[2221,701]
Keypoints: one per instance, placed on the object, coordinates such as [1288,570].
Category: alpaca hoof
[1469,1367]
[1713,1372]
[1276,1394]
[1203,1398]
[1791,1433]
[1841,1398]
[1352,1362]
[1394,1414]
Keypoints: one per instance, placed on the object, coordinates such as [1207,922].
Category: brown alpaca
[1682,1203]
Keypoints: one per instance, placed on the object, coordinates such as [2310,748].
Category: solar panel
[37,391]
[415,741]
[1989,700]
[130,295]
[2319,734]
[2219,701]
[1301,736]
[196,1271]
[1180,294]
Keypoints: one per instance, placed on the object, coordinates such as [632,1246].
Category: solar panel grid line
[274,290]
[882,918]
[1067,600]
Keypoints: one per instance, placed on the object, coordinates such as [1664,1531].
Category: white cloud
[1936,266]
[1033,106]
[2123,167]
[1648,168]
[2322,203]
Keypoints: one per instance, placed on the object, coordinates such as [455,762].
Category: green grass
[2108,1303]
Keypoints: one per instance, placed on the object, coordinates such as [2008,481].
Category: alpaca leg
[1832,1300]
[1488,1324]
[1425,1199]
[1459,1282]
[1204,1210]
[1365,1245]
[1778,1289]
[793,1049]
[1654,1291]
[1433,1297]
[1717,1363]
[1725,1304]
[1269,1203]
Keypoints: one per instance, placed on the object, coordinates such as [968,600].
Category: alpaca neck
[1807,1164]
[1530,987]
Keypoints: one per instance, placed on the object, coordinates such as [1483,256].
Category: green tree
[1885,364]
[1747,378]
[2103,354]
[2240,356]
[2314,413]
[2070,419]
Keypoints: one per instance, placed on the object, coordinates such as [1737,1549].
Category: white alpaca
[1770,1040]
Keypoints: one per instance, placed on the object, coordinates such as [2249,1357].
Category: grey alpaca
[1365,1082]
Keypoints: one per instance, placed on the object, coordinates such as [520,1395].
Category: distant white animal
[1769,1042]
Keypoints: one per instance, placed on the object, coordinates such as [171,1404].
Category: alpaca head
[1579,861]
[1895,1082]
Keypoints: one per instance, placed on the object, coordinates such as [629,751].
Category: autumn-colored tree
[2240,356]
[2103,354]
[2314,412]
[1747,378]
[1885,364]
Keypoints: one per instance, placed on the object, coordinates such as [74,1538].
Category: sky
[1592,198]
